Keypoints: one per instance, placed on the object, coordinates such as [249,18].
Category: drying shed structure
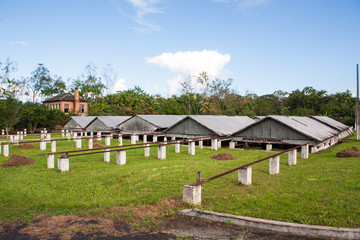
[78,124]
[148,123]
[106,123]
[293,130]
[208,125]
[342,128]
[258,118]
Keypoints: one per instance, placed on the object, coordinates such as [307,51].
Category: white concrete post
[177,147]
[219,143]
[0,147]
[137,137]
[313,149]
[201,143]
[268,147]
[120,140]
[48,136]
[192,194]
[173,138]
[25,133]
[98,136]
[78,142]
[107,140]
[133,139]
[107,155]
[120,157]
[6,150]
[91,143]
[16,139]
[3,132]
[50,161]
[63,164]
[214,144]
[147,150]
[305,151]
[292,157]
[75,136]
[244,176]
[144,138]
[21,135]
[62,133]
[191,149]
[111,135]
[161,152]
[154,138]
[274,165]
[68,135]
[165,139]
[231,144]
[53,146]
[91,134]
[42,145]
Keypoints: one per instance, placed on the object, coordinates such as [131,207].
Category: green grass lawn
[321,190]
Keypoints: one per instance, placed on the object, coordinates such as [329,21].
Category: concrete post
[161,152]
[214,144]
[292,157]
[314,149]
[268,147]
[3,132]
[173,138]
[0,147]
[177,147]
[137,138]
[98,136]
[120,140]
[75,136]
[6,150]
[50,161]
[219,143]
[91,143]
[191,149]
[133,139]
[41,134]
[231,144]
[107,140]
[244,176]
[42,145]
[305,151]
[21,136]
[16,139]
[165,139]
[201,144]
[91,134]
[25,133]
[144,138]
[107,155]
[53,146]
[78,142]
[192,194]
[147,150]
[62,133]
[48,136]
[274,165]
[120,157]
[63,164]
[68,135]
[154,138]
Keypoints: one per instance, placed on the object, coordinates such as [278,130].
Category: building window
[82,108]
[66,108]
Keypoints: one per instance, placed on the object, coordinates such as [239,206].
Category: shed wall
[97,125]
[190,127]
[137,125]
[71,124]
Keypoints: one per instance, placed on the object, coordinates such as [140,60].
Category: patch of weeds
[229,222]
[63,231]
[74,229]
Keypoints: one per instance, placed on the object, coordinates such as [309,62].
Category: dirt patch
[224,156]
[349,153]
[94,140]
[98,145]
[26,146]
[17,160]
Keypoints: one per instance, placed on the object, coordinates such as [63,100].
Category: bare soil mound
[94,140]
[17,160]
[26,146]
[349,153]
[98,145]
[224,156]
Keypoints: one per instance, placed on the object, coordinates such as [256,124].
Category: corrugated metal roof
[257,118]
[162,121]
[112,121]
[223,125]
[331,122]
[82,121]
[307,126]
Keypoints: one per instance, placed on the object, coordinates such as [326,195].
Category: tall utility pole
[357,120]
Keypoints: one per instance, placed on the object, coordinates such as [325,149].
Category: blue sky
[263,45]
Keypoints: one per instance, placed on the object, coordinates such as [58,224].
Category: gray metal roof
[112,121]
[223,125]
[162,121]
[81,121]
[257,118]
[307,126]
[331,122]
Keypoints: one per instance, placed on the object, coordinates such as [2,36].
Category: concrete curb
[275,226]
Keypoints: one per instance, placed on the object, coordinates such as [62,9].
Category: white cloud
[119,85]
[190,63]
[22,43]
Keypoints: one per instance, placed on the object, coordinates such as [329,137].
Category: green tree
[39,81]
[8,86]
[58,86]
[9,109]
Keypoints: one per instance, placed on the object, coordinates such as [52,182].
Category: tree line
[199,95]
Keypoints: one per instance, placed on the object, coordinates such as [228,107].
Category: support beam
[192,194]
[292,157]
[244,176]
[107,155]
[268,147]
[98,135]
[219,143]
[144,138]
[107,140]
[133,139]
[177,147]
[191,149]
[120,157]
[214,144]
[274,165]
[201,143]
[305,151]
[120,140]
[50,161]
[232,144]
[154,138]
